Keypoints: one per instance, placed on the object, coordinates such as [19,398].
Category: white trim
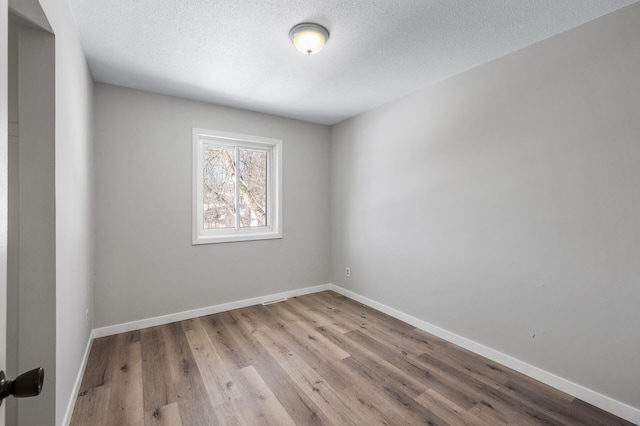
[604,402]
[76,386]
[181,316]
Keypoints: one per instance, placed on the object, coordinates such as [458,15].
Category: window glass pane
[218,189]
[252,184]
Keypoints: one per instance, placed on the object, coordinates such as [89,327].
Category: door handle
[26,384]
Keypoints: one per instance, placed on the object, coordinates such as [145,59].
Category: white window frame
[273,147]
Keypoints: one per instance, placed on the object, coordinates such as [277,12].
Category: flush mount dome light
[309,38]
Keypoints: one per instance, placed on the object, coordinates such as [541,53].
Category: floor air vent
[271,302]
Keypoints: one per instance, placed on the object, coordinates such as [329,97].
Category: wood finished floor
[320,359]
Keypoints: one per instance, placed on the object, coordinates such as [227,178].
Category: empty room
[285,212]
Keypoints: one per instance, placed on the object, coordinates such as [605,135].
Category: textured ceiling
[237,52]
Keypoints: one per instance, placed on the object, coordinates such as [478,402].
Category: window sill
[232,238]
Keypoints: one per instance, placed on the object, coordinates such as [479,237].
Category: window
[237,187]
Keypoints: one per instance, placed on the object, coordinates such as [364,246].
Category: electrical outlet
[347,272]
[86,317]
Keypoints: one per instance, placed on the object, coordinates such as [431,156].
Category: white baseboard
[181,316]
[166,319]
[76,386]
[604,402]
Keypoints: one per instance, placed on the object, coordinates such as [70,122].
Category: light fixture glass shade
[309,38]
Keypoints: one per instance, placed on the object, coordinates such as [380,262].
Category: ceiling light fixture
[309,38]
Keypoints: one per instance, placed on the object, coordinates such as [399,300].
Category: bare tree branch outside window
[234,190]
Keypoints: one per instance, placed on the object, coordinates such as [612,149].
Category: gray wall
[502,205]
[145,263]
[74,201]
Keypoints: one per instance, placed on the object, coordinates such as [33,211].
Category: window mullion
[267,190]
[237,174]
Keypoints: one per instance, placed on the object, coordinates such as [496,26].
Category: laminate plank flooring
[319,359]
